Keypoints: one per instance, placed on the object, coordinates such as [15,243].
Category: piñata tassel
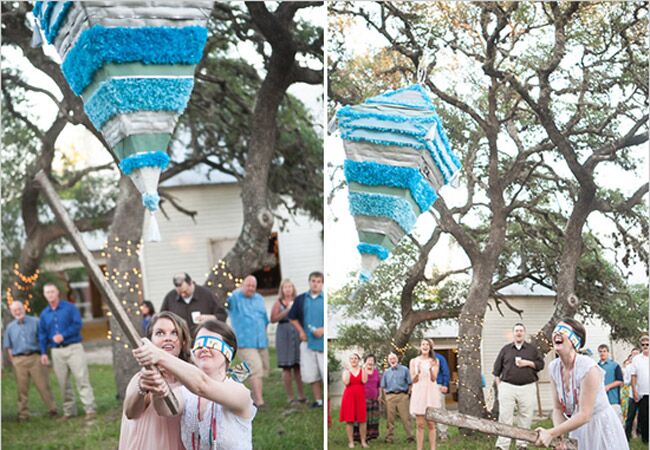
[154,229]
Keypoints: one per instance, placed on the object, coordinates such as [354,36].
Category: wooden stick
[95,272]
[490,427]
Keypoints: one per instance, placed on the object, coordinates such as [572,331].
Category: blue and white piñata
[133,65]
[397,159]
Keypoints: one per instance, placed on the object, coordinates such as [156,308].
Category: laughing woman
[425,392]
[216,411]
[580,405]
[142,427]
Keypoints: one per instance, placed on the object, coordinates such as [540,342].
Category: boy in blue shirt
[307,315]
[613,378]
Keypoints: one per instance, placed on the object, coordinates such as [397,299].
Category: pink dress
[151,432]
[425,393]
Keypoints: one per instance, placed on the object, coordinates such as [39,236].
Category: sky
[342,260]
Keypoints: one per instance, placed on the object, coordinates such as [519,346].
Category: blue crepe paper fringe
[445,159]
[125,95]
[378,250]
[37,9]
[445,141]
[52,31]
[386,98]
[348,124]
[345,134]
[439,161]
[349,112]
[375,174]
[443,156]
[145,159]
[43,15]
[364,277]
[151,201]
[100,45]
[394,208]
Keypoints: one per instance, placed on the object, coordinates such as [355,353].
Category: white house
[194,246]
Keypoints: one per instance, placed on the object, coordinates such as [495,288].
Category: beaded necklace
[212,436]
[573,389]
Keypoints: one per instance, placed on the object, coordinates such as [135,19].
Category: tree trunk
[470,330]
[125,276]
[249,252]
[566,303]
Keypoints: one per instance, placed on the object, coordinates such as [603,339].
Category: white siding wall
[185,245]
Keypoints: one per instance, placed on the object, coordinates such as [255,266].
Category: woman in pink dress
[353,403]
[142,427]
[425,392]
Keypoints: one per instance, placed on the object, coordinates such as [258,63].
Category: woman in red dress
[353,404]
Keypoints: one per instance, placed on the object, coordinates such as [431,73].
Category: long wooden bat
[494,428]
[95,272]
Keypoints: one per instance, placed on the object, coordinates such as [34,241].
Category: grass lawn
[274,428]
[337,439]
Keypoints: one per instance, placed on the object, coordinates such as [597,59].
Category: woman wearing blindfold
[580,405]
[216,409]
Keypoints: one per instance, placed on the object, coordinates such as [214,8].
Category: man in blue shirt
[395,385]
[21,342]
[308,317]
[249,320]
[443,384]
[613,378]
[60,330]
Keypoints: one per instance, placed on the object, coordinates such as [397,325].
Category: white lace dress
[233,432]
[604,431]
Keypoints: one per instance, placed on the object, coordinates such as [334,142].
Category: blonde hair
[286,281]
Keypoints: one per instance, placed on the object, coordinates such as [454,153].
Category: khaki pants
[26,367]
[521,397]
[398,403]
[73,359]
[257,359]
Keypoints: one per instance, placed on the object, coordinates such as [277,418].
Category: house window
[268,278]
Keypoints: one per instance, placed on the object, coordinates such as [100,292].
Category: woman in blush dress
[425,392]
[216,410]
[580,404]
[142,427]
[371,389]
[353,403]
[287,342]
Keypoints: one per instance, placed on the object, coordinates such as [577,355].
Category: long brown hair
[432,354]
[181,329]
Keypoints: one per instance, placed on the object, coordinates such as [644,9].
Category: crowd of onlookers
[195,348]
[599,404]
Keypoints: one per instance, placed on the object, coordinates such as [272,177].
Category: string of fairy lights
[131,279]
[23,283]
